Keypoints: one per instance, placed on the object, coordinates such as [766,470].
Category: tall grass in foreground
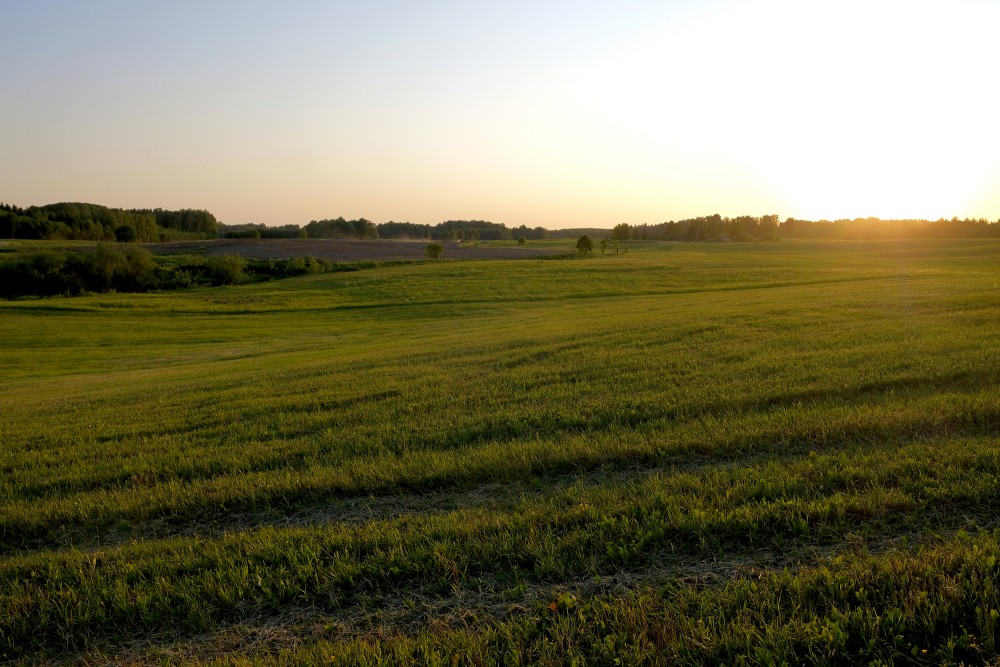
[922,607]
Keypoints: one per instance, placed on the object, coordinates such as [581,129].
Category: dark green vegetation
[773,453]
[92,222]
[449,230]
[126,268]
[99,223]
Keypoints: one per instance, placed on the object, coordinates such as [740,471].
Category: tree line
[768,228]
[93,222]
[861,229]
[362,228]
[706,228]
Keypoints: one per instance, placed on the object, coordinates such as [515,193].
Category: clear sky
[560,114]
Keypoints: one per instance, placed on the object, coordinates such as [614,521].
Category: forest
[93,222]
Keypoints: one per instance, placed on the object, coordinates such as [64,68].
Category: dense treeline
[261,231]
[860,229]
[341,228]
[767,228]
[129,268]
[476,230]
[93,222]
[706,228]
[403,230]
[196,221]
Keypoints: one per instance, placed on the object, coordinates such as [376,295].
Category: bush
[227,269]
[142,270]
[49,273]
[521,240]
[584,245]
[301,266]
[110,266]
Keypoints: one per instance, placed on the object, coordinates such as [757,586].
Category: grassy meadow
[773,453]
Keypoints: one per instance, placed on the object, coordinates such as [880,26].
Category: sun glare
[831,115]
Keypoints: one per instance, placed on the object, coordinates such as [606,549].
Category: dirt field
[341,250]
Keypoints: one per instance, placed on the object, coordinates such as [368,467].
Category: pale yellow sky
[560,114]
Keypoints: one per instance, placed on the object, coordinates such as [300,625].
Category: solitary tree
[125,233]
[521,240]
[584,245]
[433,250]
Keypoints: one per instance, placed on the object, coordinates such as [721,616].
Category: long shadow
[22,536]
[669,550]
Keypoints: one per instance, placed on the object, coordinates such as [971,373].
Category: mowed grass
[779,452]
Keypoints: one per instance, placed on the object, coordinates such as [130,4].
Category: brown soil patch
[341,250]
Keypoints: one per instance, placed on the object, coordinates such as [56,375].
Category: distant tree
[521,240]
[433,250]
[303,233]
[125,233]
[621,232]
[604,246]
[768,230]
[365,229]
[146,230]
[584,245]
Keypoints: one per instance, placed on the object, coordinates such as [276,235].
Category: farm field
[690,453]
[352,250]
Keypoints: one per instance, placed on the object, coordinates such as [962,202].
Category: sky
[558,114]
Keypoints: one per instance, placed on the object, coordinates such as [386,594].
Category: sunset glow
[553,114]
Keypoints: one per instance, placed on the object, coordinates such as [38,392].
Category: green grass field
[778,453]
